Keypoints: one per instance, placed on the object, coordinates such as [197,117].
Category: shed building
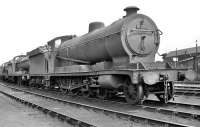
[184,58]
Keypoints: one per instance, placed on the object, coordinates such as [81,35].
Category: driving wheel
[134,93]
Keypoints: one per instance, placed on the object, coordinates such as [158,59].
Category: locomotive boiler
[132,39]
[108,61]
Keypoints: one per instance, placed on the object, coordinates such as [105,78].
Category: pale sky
[27,24]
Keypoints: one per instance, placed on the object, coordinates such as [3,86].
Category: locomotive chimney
[95,25]
[131,10]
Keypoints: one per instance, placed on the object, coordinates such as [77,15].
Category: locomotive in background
[107,61]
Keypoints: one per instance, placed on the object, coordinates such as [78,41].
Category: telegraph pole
[196,59]
[176,60]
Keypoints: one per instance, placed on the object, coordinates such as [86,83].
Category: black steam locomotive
[117,60]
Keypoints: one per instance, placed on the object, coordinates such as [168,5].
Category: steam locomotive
[116,60]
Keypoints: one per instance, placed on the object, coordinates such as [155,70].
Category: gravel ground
[95,118]
[15,114]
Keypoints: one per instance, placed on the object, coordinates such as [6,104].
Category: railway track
[179,109]
[178,118]
[70,120]
[187,88]
[62,117]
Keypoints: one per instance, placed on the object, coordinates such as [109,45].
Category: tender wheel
[134,94]
[19,81]
[57,85]
[86,92]
[64,91]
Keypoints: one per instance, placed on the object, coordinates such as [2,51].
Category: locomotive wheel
[134,94]
[86,92]
[102,93]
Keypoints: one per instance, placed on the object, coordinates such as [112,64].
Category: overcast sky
[27,24]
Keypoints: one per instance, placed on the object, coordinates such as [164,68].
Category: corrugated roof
[183,52]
